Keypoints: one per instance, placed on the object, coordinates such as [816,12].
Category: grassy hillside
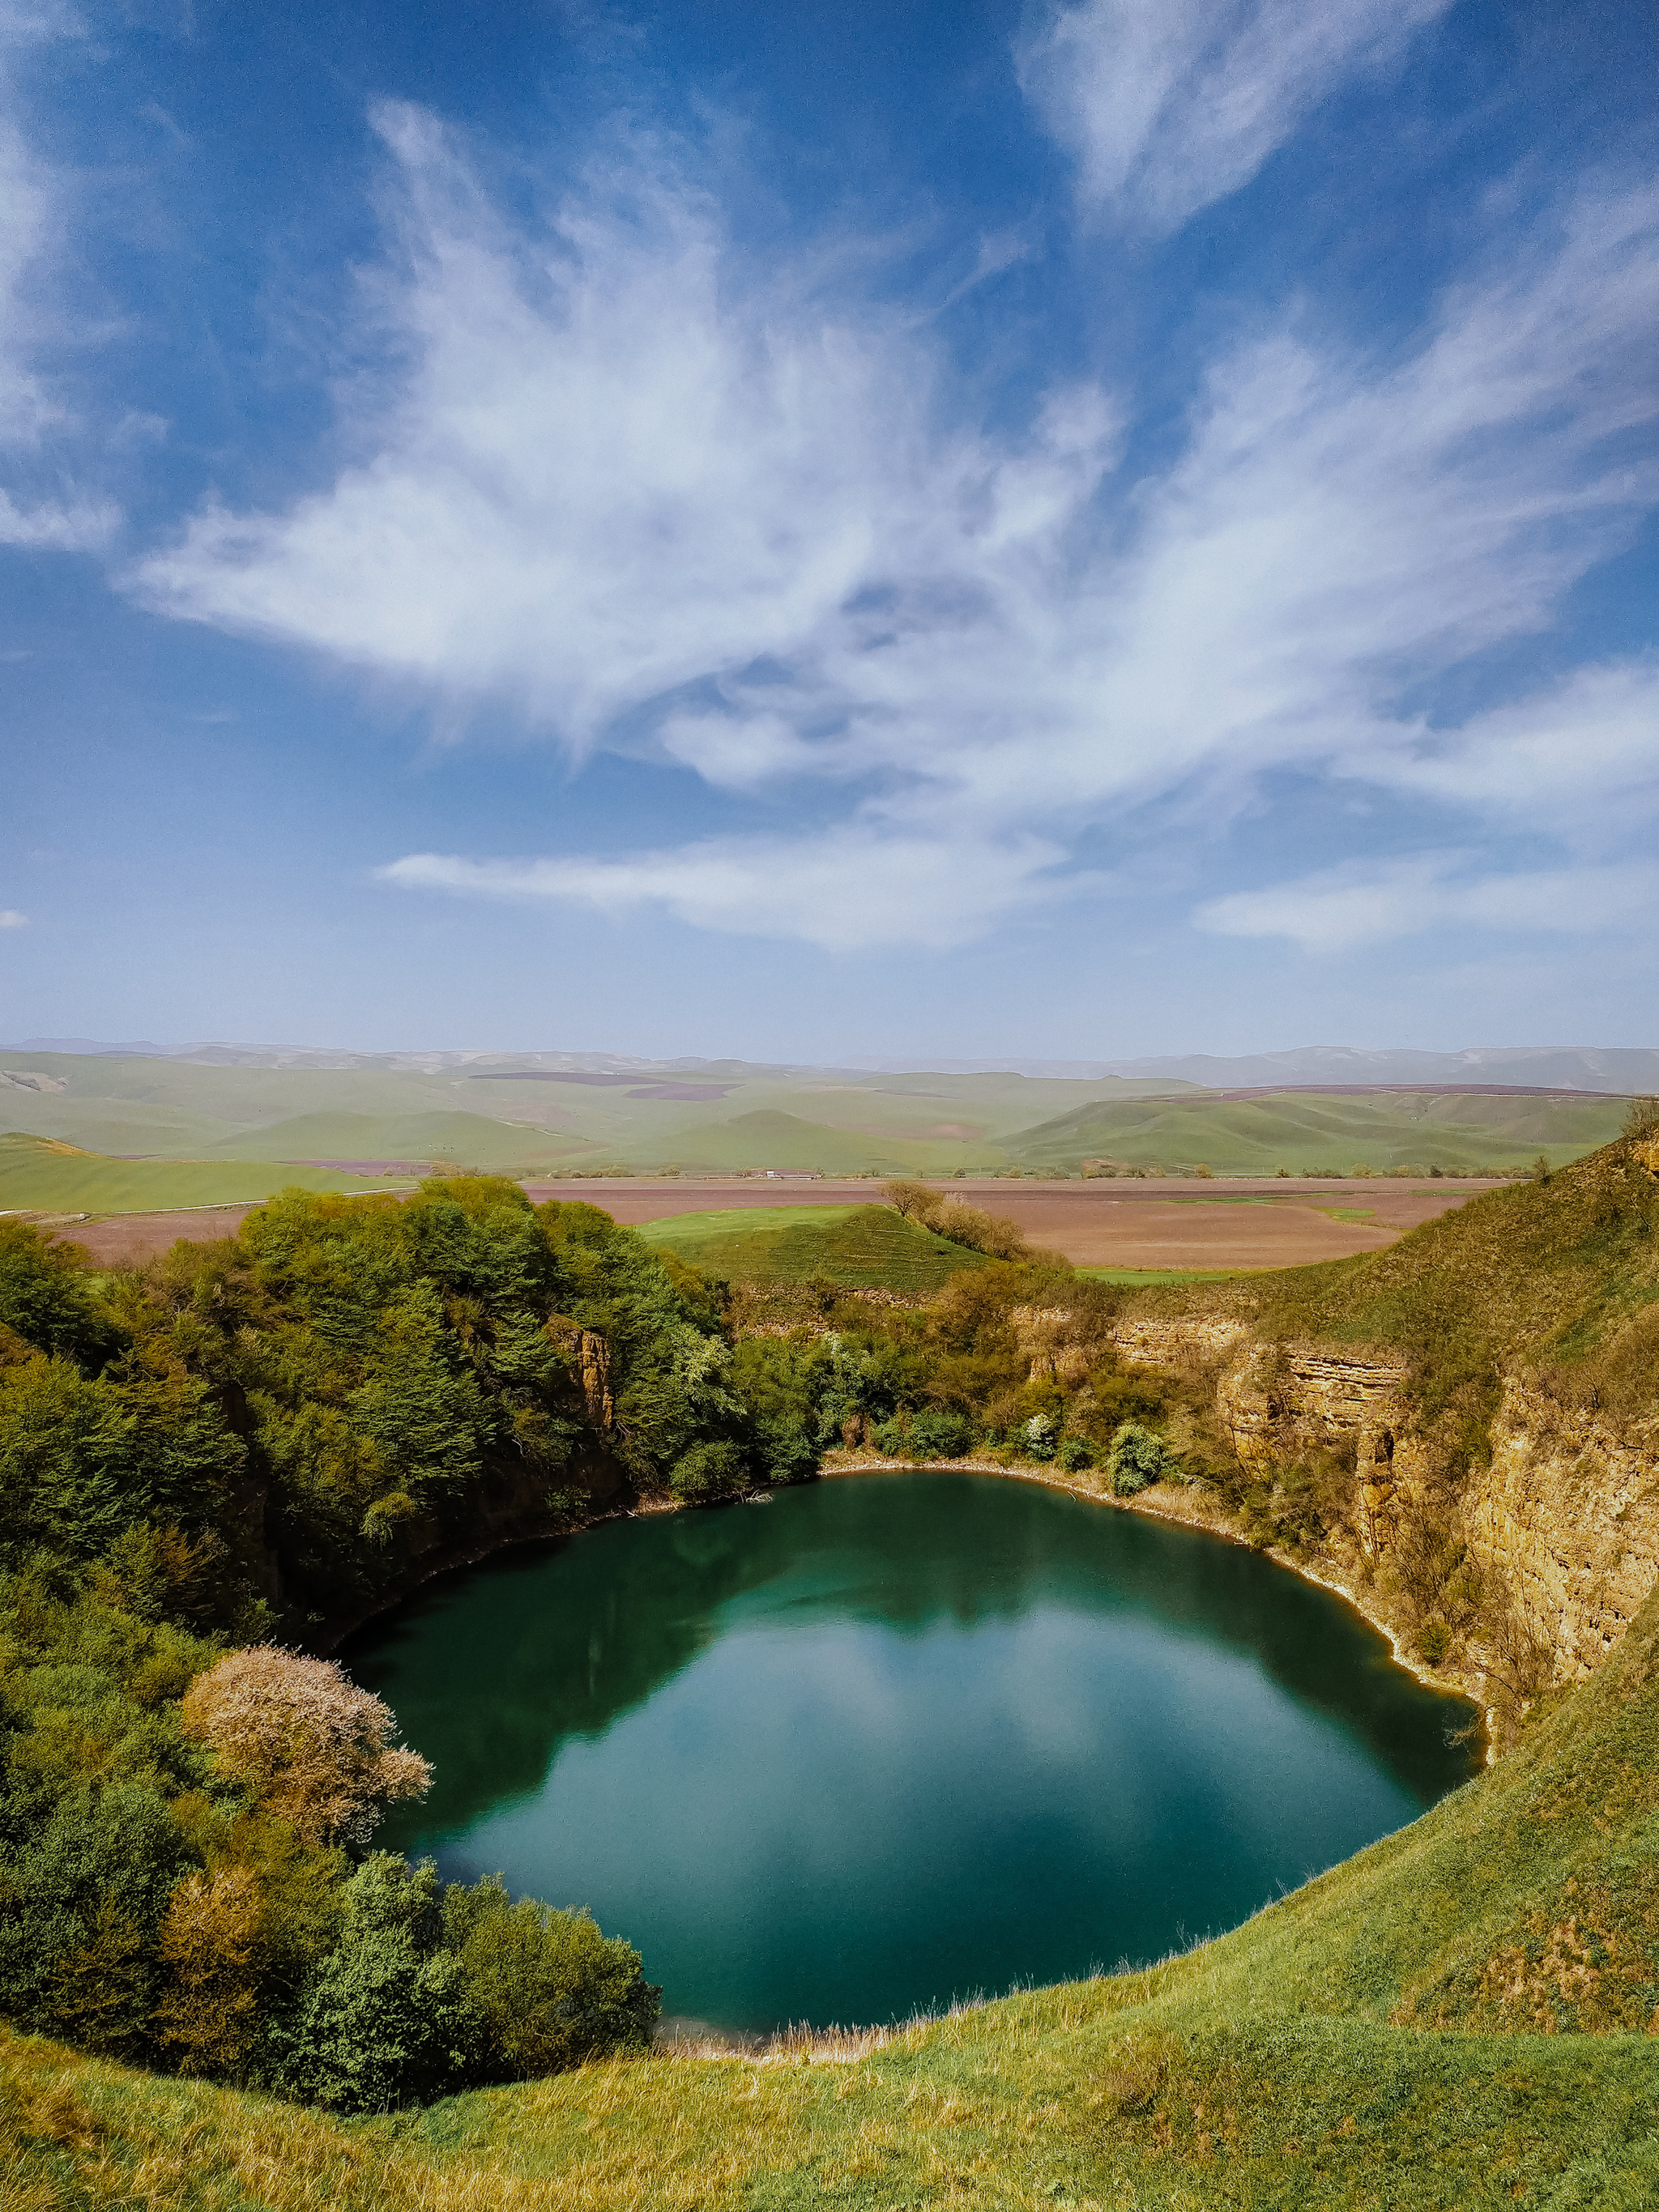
[731,1115]
[1256,1136]
[1562,1272]
[38,1175]
[854,1245]
[445,1139]
[769,1138]
[1457,2017]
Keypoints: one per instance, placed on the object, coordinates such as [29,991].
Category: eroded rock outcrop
[1559,1531]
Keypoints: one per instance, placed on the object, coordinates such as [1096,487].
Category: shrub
[208,2016]
[1434,1641]
[1075,1453]
[550,1989]
[1038,1436]
[938,1435]
[708,1472]
[315,1749]
[1137,1459]
[386,2018]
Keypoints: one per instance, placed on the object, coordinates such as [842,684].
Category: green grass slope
[868,1247]
[448,1139]
[1561,1274]
[1254,1136]
[41,1176]
[1461,2016]
[769,1138]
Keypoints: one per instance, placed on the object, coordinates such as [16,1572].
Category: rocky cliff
[1520,1574]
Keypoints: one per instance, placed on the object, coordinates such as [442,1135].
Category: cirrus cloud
[1169,105]
[654,494]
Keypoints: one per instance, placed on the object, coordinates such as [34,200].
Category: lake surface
[887,1741]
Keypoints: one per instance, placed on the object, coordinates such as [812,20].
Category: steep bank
[1462,1431]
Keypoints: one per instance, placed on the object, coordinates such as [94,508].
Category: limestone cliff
[1548,1550]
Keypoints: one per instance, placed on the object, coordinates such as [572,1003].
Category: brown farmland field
[1163,1224]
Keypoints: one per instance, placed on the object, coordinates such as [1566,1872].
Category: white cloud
[1169,105]
[39,511]
[1582,756]
[10,919]
[1367,903]
[848,889]
[656,497]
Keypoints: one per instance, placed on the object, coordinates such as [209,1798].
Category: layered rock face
[1561,1527]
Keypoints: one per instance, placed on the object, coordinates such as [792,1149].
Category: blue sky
[854,528]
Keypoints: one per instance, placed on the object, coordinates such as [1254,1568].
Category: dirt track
[1120,1224]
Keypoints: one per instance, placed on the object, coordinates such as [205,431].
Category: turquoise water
[885,1742]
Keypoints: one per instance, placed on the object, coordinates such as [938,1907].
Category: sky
[863,527]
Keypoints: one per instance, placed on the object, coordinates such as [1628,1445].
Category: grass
[43,1176]
[1298,1130]
[449,1139]
[864,1246]
[1559,1272]
[1141,1279]
[1456,2017]
[769,1138]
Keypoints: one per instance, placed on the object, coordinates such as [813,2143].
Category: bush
[550,1989]
[1075,1453]
[938,1435]
[1137,1458]
[708,1472]
[315,1748]
[386,2017]
[1038,1436]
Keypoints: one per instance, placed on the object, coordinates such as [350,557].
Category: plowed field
[1164,1224]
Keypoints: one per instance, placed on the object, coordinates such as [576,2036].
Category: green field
[858,1246]
[40,1176]
[1301,1132]
[449,1139]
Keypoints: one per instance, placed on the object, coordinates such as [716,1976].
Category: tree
[552,1989]
[1137,1458]
[385,2017]
[208,2016]
[316,1750]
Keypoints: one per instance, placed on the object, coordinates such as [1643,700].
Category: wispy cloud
[656,497]
[39,509]
[10,918]
[1361,903]
[1169,105]
[847,890]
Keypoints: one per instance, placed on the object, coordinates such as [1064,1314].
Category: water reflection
[882,1739]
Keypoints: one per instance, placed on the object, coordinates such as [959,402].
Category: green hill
[769,1138]
[858,1246]
[1300,1131]
[38,1175]
[447,1139]
[1563,1272]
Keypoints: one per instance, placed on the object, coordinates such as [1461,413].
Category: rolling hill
[853,1245]
[41,1176]
[1302,1131]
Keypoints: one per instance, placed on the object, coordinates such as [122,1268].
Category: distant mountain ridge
[1617,1070]
[1565,1067]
